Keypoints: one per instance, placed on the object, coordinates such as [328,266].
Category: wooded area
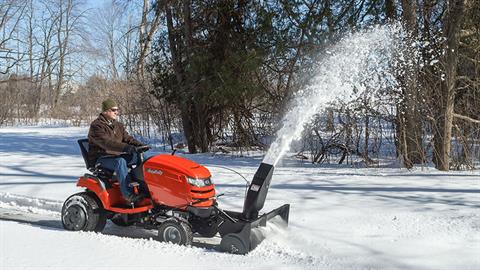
[222,73]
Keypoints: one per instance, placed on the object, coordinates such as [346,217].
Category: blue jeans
[119,164]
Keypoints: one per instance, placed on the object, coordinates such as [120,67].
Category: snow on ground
[340,218]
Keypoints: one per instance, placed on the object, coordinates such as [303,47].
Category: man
[112,147]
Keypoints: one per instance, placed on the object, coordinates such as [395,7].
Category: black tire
[119,220]
[232,243]
[83,212]
[176,232]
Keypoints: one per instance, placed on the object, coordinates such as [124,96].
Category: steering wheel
[143,148]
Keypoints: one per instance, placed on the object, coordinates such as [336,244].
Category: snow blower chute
[180,200]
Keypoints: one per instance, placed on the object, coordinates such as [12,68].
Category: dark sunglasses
[114,110]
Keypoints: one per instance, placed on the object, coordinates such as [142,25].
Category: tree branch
[466,118]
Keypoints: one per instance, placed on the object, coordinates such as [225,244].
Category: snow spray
[359,61]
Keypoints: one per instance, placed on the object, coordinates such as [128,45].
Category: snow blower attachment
[238,229]
[179,201]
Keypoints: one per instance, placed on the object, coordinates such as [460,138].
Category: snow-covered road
[340,218]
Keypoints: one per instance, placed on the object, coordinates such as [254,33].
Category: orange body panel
[165,176]
[112,199]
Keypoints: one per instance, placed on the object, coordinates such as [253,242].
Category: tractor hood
[176,164]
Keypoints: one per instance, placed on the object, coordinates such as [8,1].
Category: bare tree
[11,14]
[112,37]
[444,118]
[147,30]
[64,26]
[409,126]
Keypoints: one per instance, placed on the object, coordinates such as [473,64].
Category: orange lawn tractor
[179,201]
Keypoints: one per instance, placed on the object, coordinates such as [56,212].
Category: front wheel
[82,212]
[176,232]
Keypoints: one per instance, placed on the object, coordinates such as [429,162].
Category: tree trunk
[390,9]
[201,127]
[62,39]
[366,139]
[146,32]
[188,128]
[185,104]
[444,119]
[409,128]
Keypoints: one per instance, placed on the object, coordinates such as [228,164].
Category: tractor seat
[84,147]
[107,176]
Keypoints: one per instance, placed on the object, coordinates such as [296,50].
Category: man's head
[110,109]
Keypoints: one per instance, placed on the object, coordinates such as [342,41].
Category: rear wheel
[83,212]
[176,232]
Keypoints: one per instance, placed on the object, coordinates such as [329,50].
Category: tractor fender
[96,186]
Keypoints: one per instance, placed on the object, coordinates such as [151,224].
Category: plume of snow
[362,60]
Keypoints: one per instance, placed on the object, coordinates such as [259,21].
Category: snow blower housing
[180,200]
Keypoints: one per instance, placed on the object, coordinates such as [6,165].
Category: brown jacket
[107,137]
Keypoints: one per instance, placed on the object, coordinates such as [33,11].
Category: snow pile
[30,204]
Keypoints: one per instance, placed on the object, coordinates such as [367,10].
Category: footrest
[143,206]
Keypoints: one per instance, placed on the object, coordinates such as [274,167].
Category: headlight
[199,182]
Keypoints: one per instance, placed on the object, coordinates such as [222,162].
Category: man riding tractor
[112,148]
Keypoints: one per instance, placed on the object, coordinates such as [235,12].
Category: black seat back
[83,143]
[102,174]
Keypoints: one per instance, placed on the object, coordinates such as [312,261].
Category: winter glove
[129,149]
